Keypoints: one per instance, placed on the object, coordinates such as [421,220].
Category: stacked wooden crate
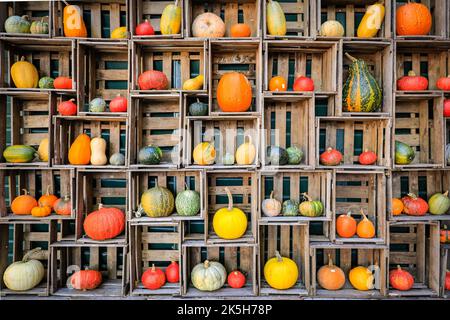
[313,121]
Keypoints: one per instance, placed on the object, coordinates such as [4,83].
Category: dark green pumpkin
[290,208]
[295,155]
[150,155]
[361,92]
[310,207]
[16,24]
[404,154]
[277,156]
[198,109]
[97,105]
[46,83]
[19,154]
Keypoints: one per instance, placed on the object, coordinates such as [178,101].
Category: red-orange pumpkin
[63,206]
[153,80]
[236,279]
[413,19]
[86,279]
[118,104]
[153,278]
[234,92]
[330,157]
[346,225]
[67,108]
[412,82]
[173,272]
[62,83]
[105,223]
[367,157]
[401,279]
[443,83]
[414,205]
[447,280]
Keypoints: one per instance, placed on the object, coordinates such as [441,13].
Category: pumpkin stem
[307,196]
[349,214]
[27,256]
[66,197]
[445,193]
[330,261]
[100,206]
[22,58]
[411,73]
[329,149]
[153,267]
[279,257]
[139,211]
[72,100]
[353,59]
[399,268]
[176,3]
[48,190]
[230,199]
[206,264]
[364,216]
[65,2]
[412,195]
[186,186]
[271,195]
[25,192]
[249,138]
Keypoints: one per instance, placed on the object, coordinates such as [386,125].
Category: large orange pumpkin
[105,223]
[234,92]
[413,19]
[80,150]
[23,204]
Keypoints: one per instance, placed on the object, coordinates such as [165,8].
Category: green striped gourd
[310,208]
[157,202]
[187,203]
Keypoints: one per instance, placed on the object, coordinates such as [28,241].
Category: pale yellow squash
[43,150]
[171,19]
[372,20]
[276,20]
[246,153]
[98,152]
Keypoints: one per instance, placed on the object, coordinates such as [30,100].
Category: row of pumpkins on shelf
[117,104]
[307,207]
[413,205]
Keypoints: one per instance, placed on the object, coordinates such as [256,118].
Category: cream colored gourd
[271,207]
[208,276]
[98,152]
[332,28]
[26,274]
[246,153]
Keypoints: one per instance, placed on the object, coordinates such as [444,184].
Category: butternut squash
[372,20]
[80,150]
[73,22]
[276,20]
[171,19]
[98,152]
[24,74]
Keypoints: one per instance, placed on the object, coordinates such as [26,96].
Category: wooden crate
[109,188]
[151,10]
[349,13]
[103,72]
[243,186]
[419,123]
[17,238]
[174,180]
[366,190]
[429,59]
[193,230]
[415,247]
[66,129]
[189,98]
[290,59]
[180,60]
[29,122]
[287,185]
[231,56]
[35,181]
[231,12]
[445,265]
[352,136]
[379,58]
[299,14]
[110,259]
[100,17]
[447,142]
[423,183]
[291,240]
[51,57]
[240,257]
[288,121]
[226,132]
[438,9]
[154,244]
[347,257]
[35,10]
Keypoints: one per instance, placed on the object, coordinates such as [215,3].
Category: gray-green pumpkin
[39,27]
[277,156]
[187,203]
[117,159]
[198,109]
[46,83]
[97,105]
[157,202]
[150,155]
[228,159]
[295,155]
[439,203]
[290,208]
[16,24]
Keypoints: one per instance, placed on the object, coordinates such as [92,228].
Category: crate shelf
[360,190]
[299,19]
[189,98]
[352,136]
[231,12]
[445,261]
[109,259]
[158,244]
[175,180]
[294,244]
[415,247]
[240,257]
[100,17]
[347,257]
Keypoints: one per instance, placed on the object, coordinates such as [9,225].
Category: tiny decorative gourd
[98,152]
[330,277]
[80,150]
[229,222]
[271,207]
[346,225]
[246,152]
[361,278]
[73,22]
[46,83]
[281,272]
[26,274]
[276,20]
[117,159]
[198,109]
[208,276]
[119,33]
[365,228]
[39,26]
[24,74]
[310,208]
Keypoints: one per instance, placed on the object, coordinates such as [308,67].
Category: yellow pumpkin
[204,154]
[371,22]
[229,223]
[24,74]
[280,272]
[194,83]
[246,153]
[361,278]
[171,19]
[43,150]
[98,152]
[332,28]
[119,33]
[276,20]
[80,150]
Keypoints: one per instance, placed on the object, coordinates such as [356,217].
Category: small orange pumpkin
[41,211]
[397,206]
[48,199]
[80,150]
[365,228]
[23,204]
[240,30]
[444,235]
[331,277]
[234,92]
[346,225]
[277,83]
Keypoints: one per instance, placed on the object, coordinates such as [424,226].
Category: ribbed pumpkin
[246,152]
[39,26]
[73,22]
[281,273]
[105,223]
[85,280]
[24,74]
[414,205]
[330,277]
[229,222]
[271,207]
[413,19]
[23,204]
[234,92]
[204,154]
[310,208]
[80,150]
[361,92]
[276,20]
[439,203]
[332,28]
[361,278]
[208,276]
[63,206]
[157,202]
[26,274]
[371,21]
[170,22]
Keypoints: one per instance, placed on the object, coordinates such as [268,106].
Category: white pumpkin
[24,275]
[208,276]
[332,28]
[208,25]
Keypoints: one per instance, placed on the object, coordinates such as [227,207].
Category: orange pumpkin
[234,92]
[80,150]
[73,22]
[397,206]
[444,235]
[413,19]
[240,30]
[277,83]
[23,204]
[331,277]
[365,228]
[346,225]
[41,211]
[48,199]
